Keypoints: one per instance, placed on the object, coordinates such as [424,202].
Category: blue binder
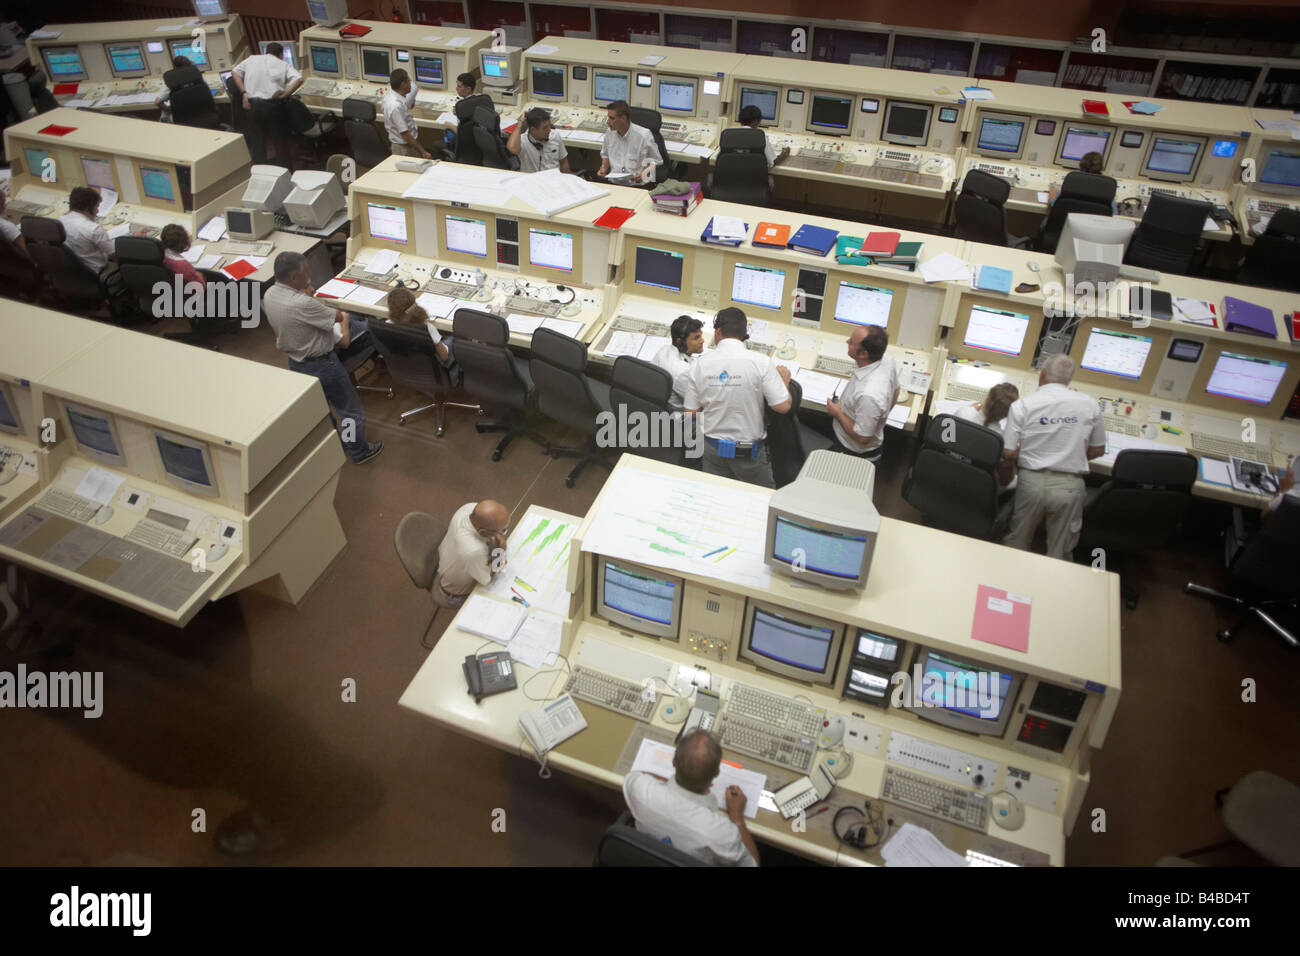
[813,240]
[708,236]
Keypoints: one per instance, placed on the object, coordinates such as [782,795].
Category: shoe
[372,451]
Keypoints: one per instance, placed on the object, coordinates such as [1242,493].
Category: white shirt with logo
[1053,428]
[867,399]
[731,385]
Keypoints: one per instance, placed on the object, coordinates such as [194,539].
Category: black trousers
[266,125]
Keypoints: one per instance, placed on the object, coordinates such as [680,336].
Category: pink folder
[1001,618]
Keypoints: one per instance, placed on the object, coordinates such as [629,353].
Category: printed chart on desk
[685,526]
[538,555]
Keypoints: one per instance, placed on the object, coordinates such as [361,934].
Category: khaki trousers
[1053,496]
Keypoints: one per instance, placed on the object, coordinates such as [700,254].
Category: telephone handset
[556,722]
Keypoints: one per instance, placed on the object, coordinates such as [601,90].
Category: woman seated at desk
[992,413]
[175,241]
[403,309]
[686,341]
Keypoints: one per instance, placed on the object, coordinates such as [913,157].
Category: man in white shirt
[682,813]
[9,229]
[465,556]
[687,341]
[266,79]
[629,153]
[727,388]
[540,148]
[403,134]
[1051,435]
[752,117]
[86,238]
[859,410]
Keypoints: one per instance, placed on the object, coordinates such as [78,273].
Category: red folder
[56,130]
[354,30]
[239,268]
[65,89]
[1095,108]
[881,243]
[1001,618]
[614,216]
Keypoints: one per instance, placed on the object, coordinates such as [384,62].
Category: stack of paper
[213,229]
[382,261]
[728,227]
[537,642]
[438,306]
[488,617]
[452,182]
[945,268]
[552,191]
[913,846]
[624,343]
[650,348]
[818,386]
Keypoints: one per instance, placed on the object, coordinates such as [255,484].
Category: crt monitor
[758,285]
[98,172]
[1092,247]
[791,644]
[267,187]
[873,660]
[386,222]
[36,165]
[467,235]
[289,55]
[660,268]
[907,124]
[963,694]
[859,304]
[1173,159]
[676,95]
[639,598]
[210,9]
[996,330]
[548,80]
[63,63]
[1248,378]
[835,552]
[324,58]
[830,113]
[500,68]
[327,13]
[249,224]
[1078,140]
[95,433]
[126,60]
[315,200]
[376,63]
[428,69]
[765,98]
[191,51]
[9,411]
[550,249]
[1001,135]
[186,463]
[1122,354]
[609,86]
[157,183]
[1280,173]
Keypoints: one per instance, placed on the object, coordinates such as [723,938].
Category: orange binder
[771,234]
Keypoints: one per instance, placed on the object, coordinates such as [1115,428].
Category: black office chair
[1273,260]
[789,441]
[638,387]
[75,288]
[567,394]
[1167,237]
[742,139]
[1263,574]
[140,265]
[238,115]
[309,130]
[494,375]
[954,484]
[369,144]
[1080,192]
[487,136]
[1139,509]
[467,149]
[741,178]
[42,98]
[653,121]
[20,277]
[412,360]
[980,208]
[191,100]
[624,845]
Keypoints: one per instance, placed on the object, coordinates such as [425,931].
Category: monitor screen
[317,10]
[1246,377]
[210,8]
[1282,168]
[550,250]
[677,95]
[376,64]
[877,646]
[830,112]
[860,304]
[907,123]
[964,689]
[428,68]
[467,235]
[8,413]
[324,59]
[1000,135]
[640,593]
[157,183]
[795,643]
[126,59]
[548,81]
[1077,142]
[1116,353]
[94,434]
[758,285]
[387,222]
[239,222]
[64,63]
[185,461]
[996,330]
[36,165]
[99,172]
[188,49]
[839,554]
[495,66]
[1177,156]
[606,87]
[153,46]
[766,100]
[659,268]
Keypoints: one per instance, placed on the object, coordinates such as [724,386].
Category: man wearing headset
[540,148]
[686,342]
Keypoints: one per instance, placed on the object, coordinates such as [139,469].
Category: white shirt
[397,115]
[730,385]
[534,160]
[464,556]
[630,152]
[690,822]
[265,75]
[1053,428]
[677,365]
[867,399]
[9,230]
[971,414]
[87,239]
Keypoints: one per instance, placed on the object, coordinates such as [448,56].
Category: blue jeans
[341,396]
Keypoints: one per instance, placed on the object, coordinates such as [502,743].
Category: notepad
[1095,108]
[614,217]
[336,289]
[992,279]
[487,617]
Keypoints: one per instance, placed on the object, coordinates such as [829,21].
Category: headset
[858,833]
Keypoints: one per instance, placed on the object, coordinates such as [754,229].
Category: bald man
[465,557]
[682,813]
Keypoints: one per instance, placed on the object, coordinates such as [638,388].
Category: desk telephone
[553,724]
[804,792]
[488,674]
[703,714]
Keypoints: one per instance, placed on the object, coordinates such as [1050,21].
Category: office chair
[42,98]
[1080,192]
[493,374]
[309,130]
[140,264]
[360,353]
[1273,260]
[467,148]
[1263,574]
[789,441]
[742,178]
[980,208]
[1167,237]
[624,845]
[369,144]
[238,116]
[20,277]
[75,288]
[567,394]
[1139,509]
[412,360]
[1261,811]
[487,136]
[416,539]
[191,100]
[742,139]
[638,387]
[954,484]
[653,121]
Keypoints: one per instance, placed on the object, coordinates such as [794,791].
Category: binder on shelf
[1095,108]
[773,234]
[1248,318]
[906,252]
[614,217]
[814,240]
[881,243]
[708,236]
[992,279]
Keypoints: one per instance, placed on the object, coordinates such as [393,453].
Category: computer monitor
[315,200]
[1091,247]
[428,68]
[327,13]
[191,51]
[906,124]
[677,95]
[830,113]
[1281,172]
[1123,354]
[548,80]
[765,98]
[36,165]
[63,63]
[639,598]
[249,224]
[608,86]
[386,222]
[126,60]
[98,172]
[758,285]
[9,421]
[791,644]
[95,433]
[659,268]
[267,187]
[836,553]
[289,51]
[995,330]
[500,67]
[466,235]
[963,694]
[1173,159]
[157,183]
[1078,140]
[186,463]
[550,250]
[1248,378]
[324,58]
[1001,135]
[376,63]
[859,304]
[210,9]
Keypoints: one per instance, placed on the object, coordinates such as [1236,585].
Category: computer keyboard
[143,229]
[69,505]
[959,391]
[317,87]
[818,161]
[373,280]
[158,536]
[1227,448]
[836,366]
[963,807]
[242,247]
[761,740]
[1120,425]
[645,326]
[994,169]
[783,713]
[21,207]
[456,290]
[519,303]
[898,158]
[613,693]
[760,347]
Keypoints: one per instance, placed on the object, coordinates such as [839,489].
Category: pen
[524,584]
[716,551]
[519,597]
[815,812]
[729,550]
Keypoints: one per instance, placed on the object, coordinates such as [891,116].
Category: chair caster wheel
[1131,604]
[482,412]
[496,455]
[568,482]
[1224,636]
[390,396]
[479,428]
[401,423]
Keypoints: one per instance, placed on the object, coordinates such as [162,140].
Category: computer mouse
[216,551]
[1008,812]
[838,764]
[104,513]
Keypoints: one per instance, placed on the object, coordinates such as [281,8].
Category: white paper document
[99,485]
[583,135]
[563,326]
[650,348]
[913,846]
[121,229]
[194,252]
[45,34]
[491,618]
[1193,310]
[337,288]
[523,324]
[1117,443]
[543,49]
[431,38]
[624,343]
[365,295]
[438,306]
[448,119]
[552,191]
[818,386]
[107,200]
[653,59]
[213,229]
[537,642]
[728,227]
[457,41]
[1216,472]
[537,563]
[898,416]
[76,104]
[945,268]
[382,261]
[451,182]
[977,93]
[208,262]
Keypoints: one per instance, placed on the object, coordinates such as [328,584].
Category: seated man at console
[628,154]
[752,117]
[540,148]
[682,813]
[472,551]
[686,342]
[859,410]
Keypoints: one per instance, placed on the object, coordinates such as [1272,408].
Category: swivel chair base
[511,429]
[1246,610]
[585,456]
[440,410]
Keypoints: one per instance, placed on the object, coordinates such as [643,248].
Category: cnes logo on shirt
[1062,420]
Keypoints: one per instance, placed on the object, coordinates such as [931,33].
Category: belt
[748,448]
[315,358]
[1052,471]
